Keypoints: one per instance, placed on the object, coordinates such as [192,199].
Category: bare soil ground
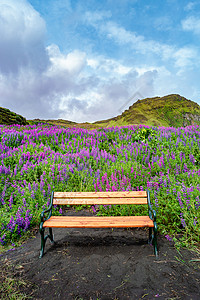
[104,264]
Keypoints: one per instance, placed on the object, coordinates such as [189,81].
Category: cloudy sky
[89,60]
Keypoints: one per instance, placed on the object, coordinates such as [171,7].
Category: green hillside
[172,110]
[8,117]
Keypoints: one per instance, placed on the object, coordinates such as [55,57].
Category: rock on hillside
[8,117]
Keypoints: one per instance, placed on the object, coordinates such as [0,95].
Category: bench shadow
[106,241]
[96,238]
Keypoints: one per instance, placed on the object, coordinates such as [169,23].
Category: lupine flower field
[38,159]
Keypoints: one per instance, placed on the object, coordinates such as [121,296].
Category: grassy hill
[8,117]
[172,110]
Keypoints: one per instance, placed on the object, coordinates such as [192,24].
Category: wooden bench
[100,198]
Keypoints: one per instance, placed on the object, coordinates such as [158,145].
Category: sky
[89,60]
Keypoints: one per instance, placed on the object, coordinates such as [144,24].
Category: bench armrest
[152,212]
[48,210]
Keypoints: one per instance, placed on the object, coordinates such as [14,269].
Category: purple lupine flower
[195,221]
[2,239]
[29,187]
[156,202]
[192,159]
[179,200]
[182,220]
[93,208]
[197,204]
[168,237]
[11,224]
[113,188]
[24,202]
[15,170]
[10,201]
[41,184]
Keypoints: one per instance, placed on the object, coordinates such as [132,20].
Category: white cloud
[190,6]
[93,63]
[72,63]
[35,78]
[143,69]
[191,24]
[110,67]
[183,57]
[96,16]
[163,23]
[22,33]
[110,92]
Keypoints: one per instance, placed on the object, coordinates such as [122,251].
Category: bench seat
[98,222]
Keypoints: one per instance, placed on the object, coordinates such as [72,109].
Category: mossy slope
[8,117]
[172,110]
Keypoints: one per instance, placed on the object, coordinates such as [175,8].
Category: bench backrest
[100,198]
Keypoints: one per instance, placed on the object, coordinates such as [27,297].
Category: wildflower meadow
[36,159]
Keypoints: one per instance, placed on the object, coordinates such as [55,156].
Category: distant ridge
[8,117]
[59,122]
[172,110]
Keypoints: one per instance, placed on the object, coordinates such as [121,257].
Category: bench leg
[155,239]
[42,242]
[51,235]
[44,238]
[150,236]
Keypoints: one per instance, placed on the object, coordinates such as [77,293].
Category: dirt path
[105,264]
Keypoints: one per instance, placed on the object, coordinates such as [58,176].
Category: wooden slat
[99,201]
[98,222]
[101,198]
[125,194]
